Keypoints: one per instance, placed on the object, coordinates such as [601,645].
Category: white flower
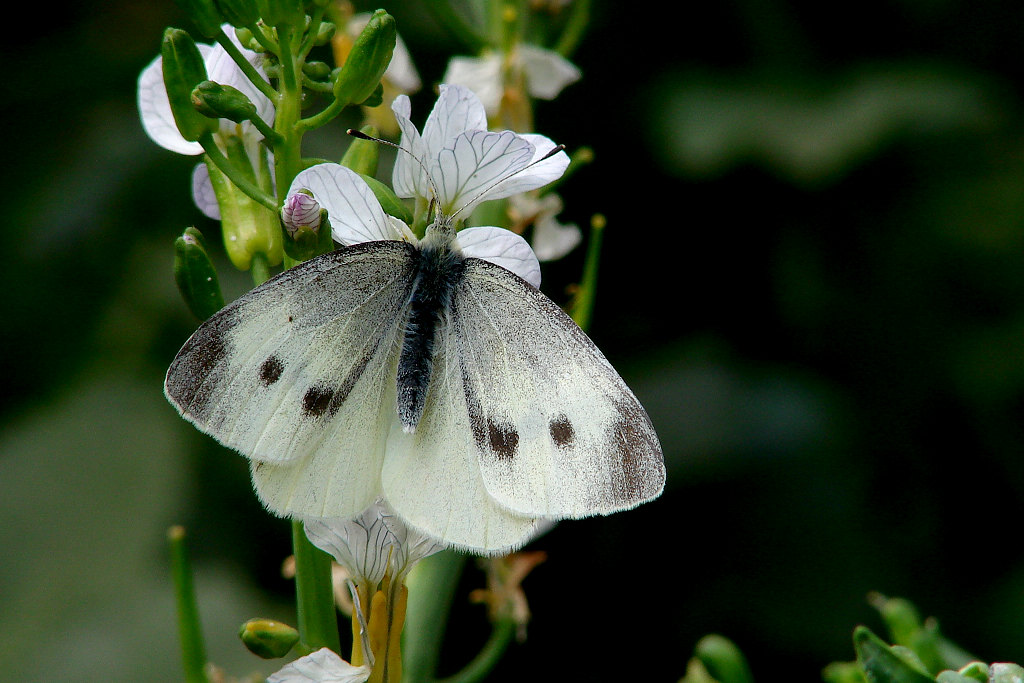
[356,216]
[371,544]
[462,161]
[551,239]
[158,121]
[322,666]
[545,74]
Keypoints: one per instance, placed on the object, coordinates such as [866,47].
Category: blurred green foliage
[813,276]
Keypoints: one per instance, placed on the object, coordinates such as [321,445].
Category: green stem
[318,622]
[583,307]
[488,657]
[575,27]
[449,19]
[234,174]
[432,585]
[260,269]
[271,136]
[248,69]
[193,650]
[320,118]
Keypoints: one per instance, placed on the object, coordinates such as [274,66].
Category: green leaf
[884,664]
[723,660]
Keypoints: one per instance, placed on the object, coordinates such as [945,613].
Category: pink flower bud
[300,210]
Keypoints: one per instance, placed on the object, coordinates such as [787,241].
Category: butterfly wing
[555,429]
[431,476]
[298,375]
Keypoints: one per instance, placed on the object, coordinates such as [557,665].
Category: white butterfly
[420,372]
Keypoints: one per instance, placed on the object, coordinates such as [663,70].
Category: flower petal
[553,240]
[537,175]
[472,169]
[362,545]
[408,177]
[547,72]
[501,247]
[482,75]
[457,110]
[354,212]
[155,111]
[203,194]
[322,666]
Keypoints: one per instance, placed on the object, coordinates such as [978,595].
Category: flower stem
[488,657]
[318,623]
[248,69]
[243,183]
[431,585]
[193,650]
[260,269]
[575,27]
[583,306]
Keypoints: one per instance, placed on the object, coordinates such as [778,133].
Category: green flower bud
[318,71]
[281,12]
[324,33]
[389,201]
[195,275]
[723,660]
[884,664]
[368,59]
[975,670]
[204,15]
[376,98]
[183,70]
[239,13]
[1005,673]
[954,677]
[843,672]
[268,639]
[222,102]
[362,155]
[248,226]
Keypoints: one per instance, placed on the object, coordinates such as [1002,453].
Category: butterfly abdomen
[438,271]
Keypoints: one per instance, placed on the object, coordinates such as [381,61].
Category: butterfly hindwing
[556,430]
[296,374]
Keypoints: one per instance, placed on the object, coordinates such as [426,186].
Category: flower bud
[723,660]
[318,71]
[306,226]
[376,98]
[369,58]
[204,15]
[222,102]
[195,275]
[884,663]
[1005,673]
[239,13]
[183,70]
[324,33]
[268,639]
[281,12]
[975,671]
[362,155]
[248,226]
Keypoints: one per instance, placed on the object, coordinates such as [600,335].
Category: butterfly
[415,371]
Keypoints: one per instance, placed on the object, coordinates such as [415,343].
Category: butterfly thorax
[438,271]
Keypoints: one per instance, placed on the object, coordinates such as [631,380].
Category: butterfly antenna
[430,181]
[552,152]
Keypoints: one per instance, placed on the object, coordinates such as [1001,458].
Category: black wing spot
[562,432]
[317,400]
[271,370]
[503,439]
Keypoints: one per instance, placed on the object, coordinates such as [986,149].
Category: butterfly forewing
[294,371]
[556,430]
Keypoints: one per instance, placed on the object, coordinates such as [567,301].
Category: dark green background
[813,277]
